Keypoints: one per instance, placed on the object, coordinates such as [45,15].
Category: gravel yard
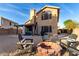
[8,43]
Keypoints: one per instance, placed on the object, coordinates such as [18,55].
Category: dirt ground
[8,43]
[76,31]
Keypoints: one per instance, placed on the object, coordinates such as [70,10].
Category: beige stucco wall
[52,22]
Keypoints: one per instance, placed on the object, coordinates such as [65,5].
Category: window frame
[46,15]
[46,29]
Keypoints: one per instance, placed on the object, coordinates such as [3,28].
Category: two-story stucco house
[6,23]
[45,20]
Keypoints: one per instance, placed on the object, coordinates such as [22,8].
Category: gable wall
[53,22]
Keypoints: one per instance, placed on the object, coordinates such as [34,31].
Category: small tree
[70,25]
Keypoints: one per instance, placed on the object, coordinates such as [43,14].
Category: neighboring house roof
[28,22]
[3,18]
[54,7]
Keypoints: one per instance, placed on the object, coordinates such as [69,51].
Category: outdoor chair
[26,44]
[72,40]
[70,44]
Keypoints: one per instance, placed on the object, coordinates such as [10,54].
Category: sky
[19,12]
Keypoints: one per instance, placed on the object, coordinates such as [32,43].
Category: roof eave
[54,7]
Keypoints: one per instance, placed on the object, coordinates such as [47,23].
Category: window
[46,15]
[2,21]
[46,29]
[10,23]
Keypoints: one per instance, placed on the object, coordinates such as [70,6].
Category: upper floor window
[46,15]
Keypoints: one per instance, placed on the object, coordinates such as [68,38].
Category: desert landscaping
[40,35]
[7,43]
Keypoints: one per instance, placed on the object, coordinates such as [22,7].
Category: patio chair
[25,43]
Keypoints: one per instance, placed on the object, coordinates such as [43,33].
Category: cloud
[12,11]
[65,8]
